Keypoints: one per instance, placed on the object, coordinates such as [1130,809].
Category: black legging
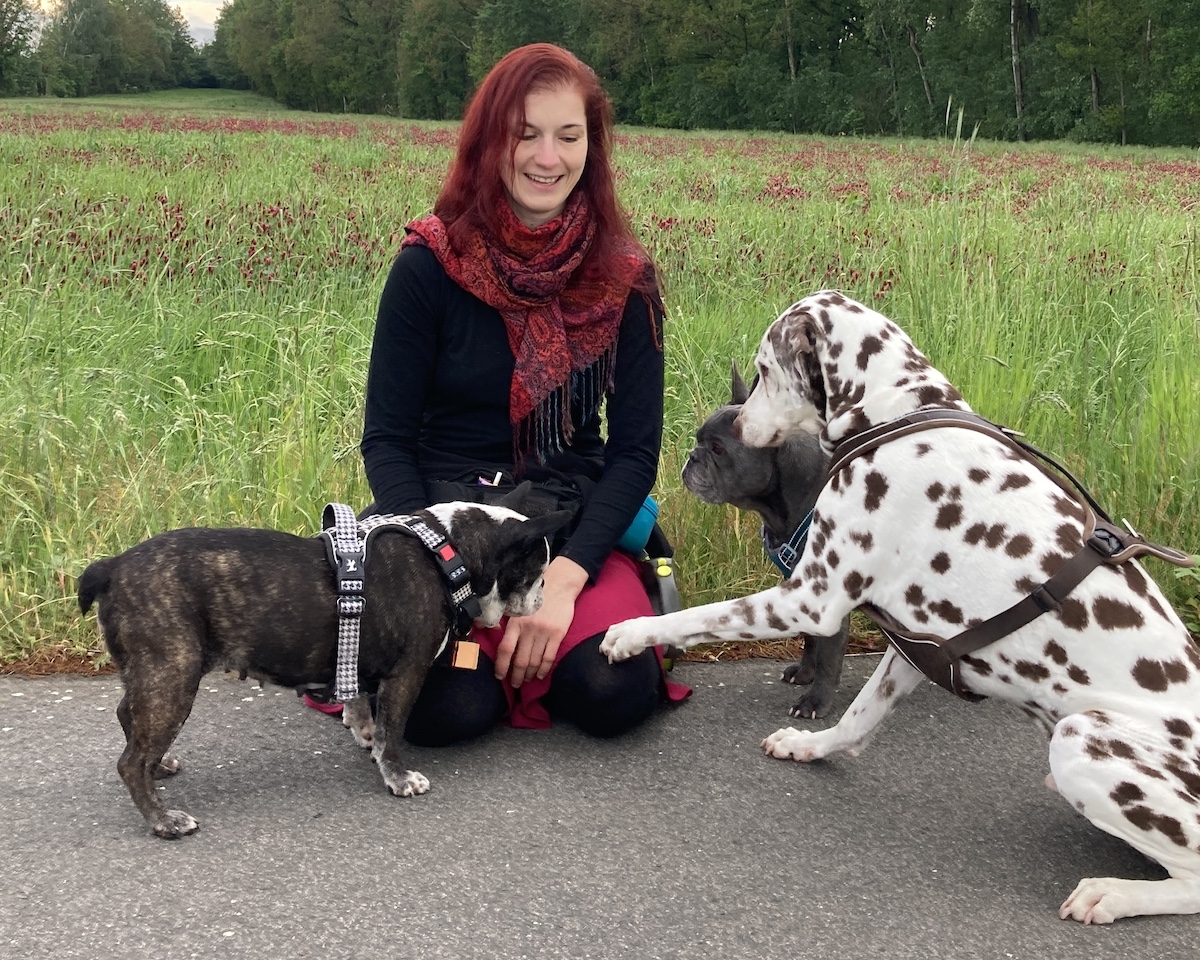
[600,698]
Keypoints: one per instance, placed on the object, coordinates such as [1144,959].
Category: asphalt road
[680,840]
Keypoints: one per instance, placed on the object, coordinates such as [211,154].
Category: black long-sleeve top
[437,403]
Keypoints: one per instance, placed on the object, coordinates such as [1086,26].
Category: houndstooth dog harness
[347,539]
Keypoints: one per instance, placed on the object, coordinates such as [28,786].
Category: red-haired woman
[514,312]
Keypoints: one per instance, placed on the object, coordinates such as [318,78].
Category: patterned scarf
[561,330]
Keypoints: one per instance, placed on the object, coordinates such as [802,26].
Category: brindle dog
[263,603]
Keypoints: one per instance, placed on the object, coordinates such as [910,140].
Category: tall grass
[187,297]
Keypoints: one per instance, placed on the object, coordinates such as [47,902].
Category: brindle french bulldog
[263,603]
[780,484]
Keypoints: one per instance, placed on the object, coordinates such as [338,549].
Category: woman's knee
[601,698]
[455,705]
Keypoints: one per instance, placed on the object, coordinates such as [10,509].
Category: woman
[513,310]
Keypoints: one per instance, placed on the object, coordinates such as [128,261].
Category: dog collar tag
[465,655]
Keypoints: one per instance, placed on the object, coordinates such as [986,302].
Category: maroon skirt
[617,594]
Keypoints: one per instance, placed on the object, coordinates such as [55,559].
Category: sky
[200,15]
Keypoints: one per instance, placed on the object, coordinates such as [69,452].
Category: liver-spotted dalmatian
[936,532]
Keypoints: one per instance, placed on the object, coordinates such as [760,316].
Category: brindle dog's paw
[173,824]
[168,766]
[408,783]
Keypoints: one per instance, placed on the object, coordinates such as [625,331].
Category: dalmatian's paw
[628,638]
[1094,900]
[788,743]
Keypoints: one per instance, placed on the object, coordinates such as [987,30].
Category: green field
[188,286]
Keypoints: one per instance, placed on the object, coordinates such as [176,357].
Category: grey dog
[780,484]
[263,603]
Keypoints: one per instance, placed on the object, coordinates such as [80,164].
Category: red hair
[487,140]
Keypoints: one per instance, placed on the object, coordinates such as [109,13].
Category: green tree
[433,63]
[1099,40]
[254,29]
[16,41]
[81,49]
[218,55]
[112,46]
[1172,50]
[503,25]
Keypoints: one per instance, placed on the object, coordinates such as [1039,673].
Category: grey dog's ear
[737,390]
[739,393]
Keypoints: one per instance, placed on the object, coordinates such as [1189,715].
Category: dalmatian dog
[937,531]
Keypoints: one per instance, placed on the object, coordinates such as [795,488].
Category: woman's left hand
[531,643]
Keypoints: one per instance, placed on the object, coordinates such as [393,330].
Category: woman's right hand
[530,644]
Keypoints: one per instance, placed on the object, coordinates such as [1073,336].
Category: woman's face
[549,157]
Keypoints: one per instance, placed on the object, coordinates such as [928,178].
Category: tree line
[85,47]
[1115,71]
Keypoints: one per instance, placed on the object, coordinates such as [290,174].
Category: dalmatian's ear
[802,333]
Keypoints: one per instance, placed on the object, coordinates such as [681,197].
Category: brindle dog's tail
[94,582]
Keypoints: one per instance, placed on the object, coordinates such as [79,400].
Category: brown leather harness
[940,658]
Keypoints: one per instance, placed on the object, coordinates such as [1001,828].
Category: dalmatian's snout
[749,428]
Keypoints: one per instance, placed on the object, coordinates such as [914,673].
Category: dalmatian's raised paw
[788,743]
[628,638]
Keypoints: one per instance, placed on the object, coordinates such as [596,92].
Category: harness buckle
[788,556]
[350,607]
[1045,599]
[1106,541]
[350,569]
[464,617]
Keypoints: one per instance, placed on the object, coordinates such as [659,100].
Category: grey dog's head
[720,467]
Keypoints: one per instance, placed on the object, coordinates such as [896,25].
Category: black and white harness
[346,541]
[940,658]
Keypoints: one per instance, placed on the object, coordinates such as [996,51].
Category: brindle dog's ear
[738,391]
[544,526]
[516,498]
